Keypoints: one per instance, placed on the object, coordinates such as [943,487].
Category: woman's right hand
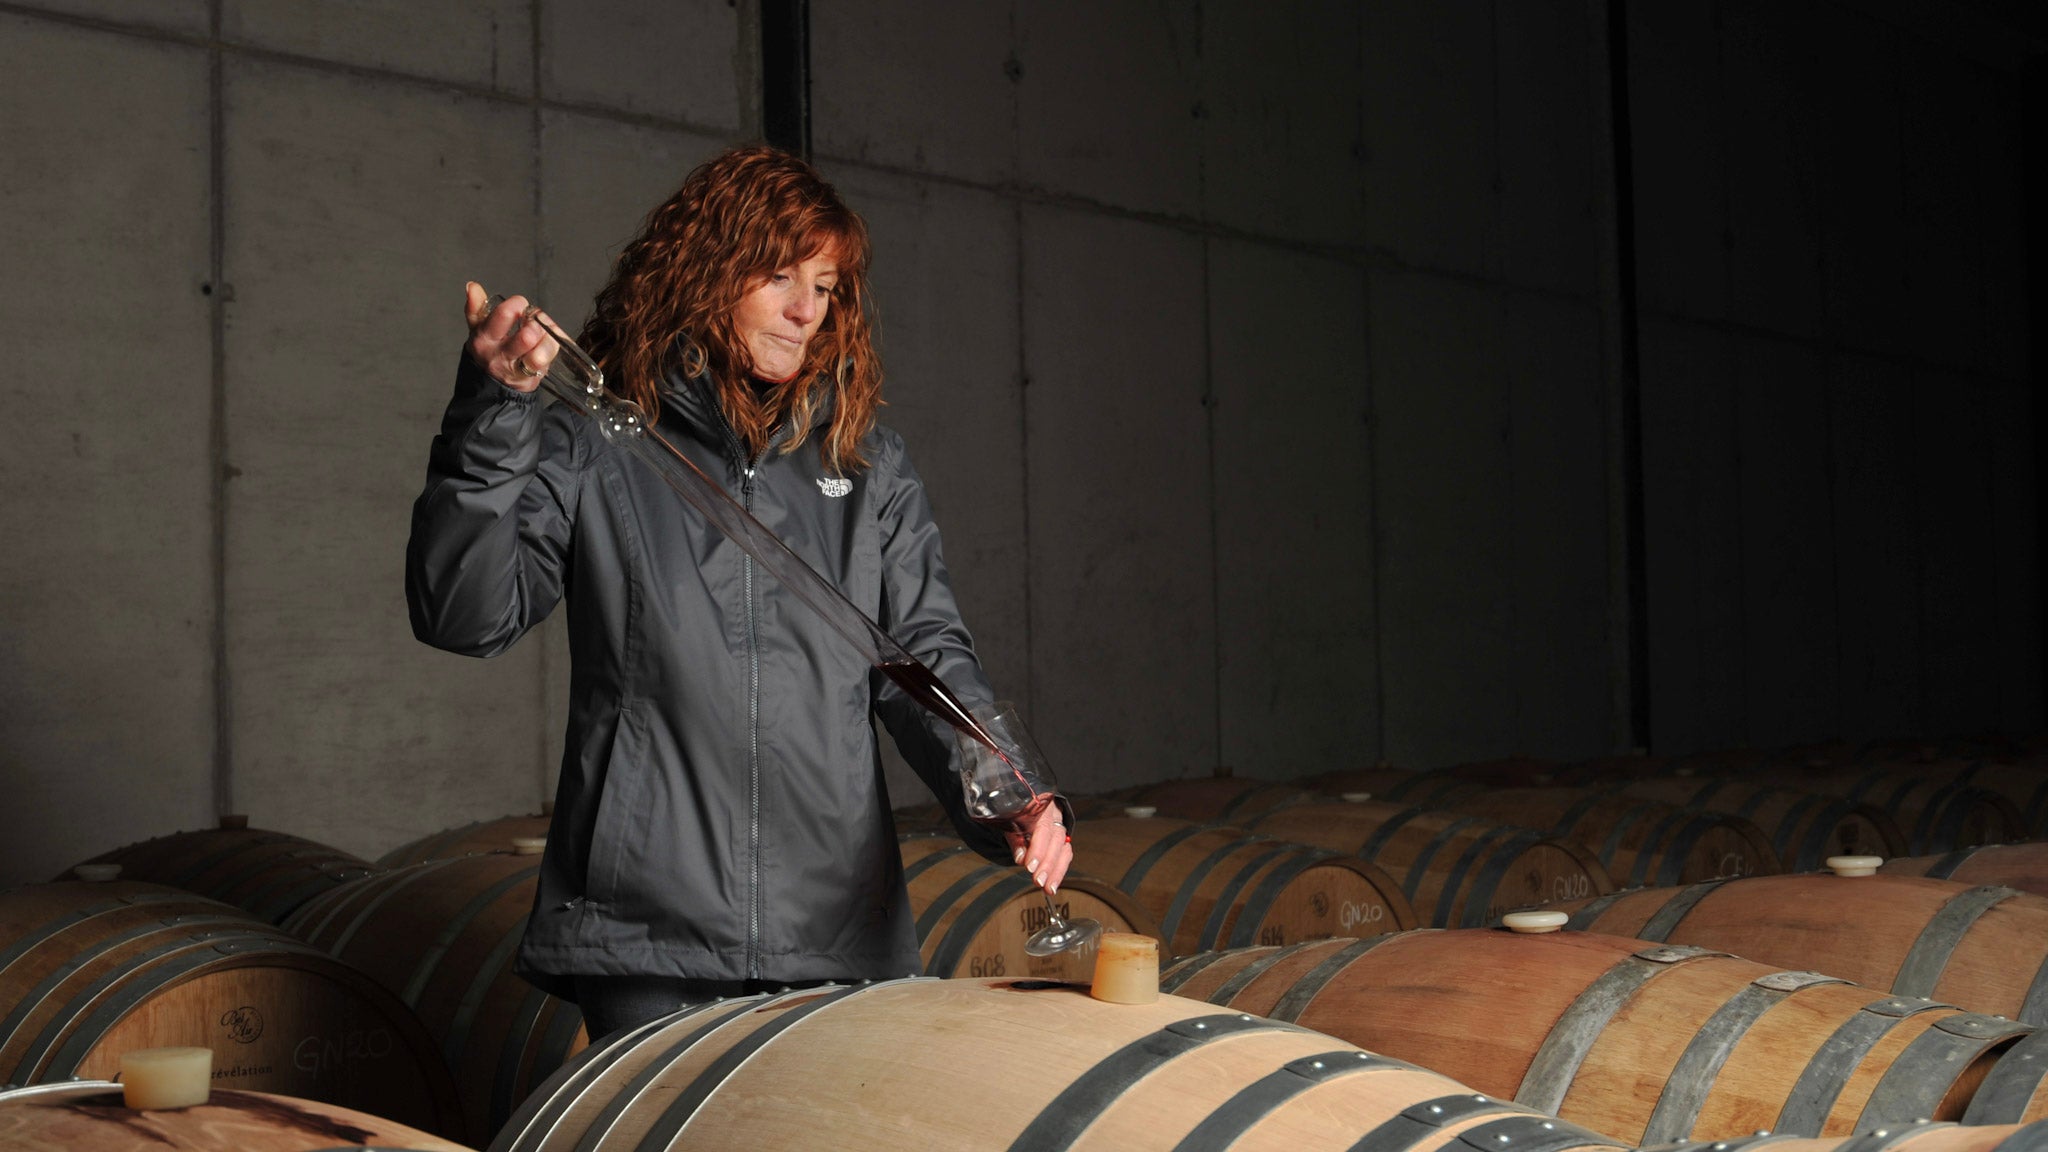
[513,352]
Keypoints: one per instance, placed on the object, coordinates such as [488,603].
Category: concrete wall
[1252,354]
[347,170]
[1298,334]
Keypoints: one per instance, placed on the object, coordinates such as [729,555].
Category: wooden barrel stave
[1914,1137]
[441,935]
[974,915]
[1984,948]
[268,874]
[1934,806]
[1805,827]
[1456,871]
[90,1116]
[1075,1073]
[2017,1088]
[90,970]
[1232,800]
[466,840]
[1517,772]
[2024,784]
[1211,886]
[2021,866]
[1396,785]
[1637,841]
[1643,1041]
[595,1086]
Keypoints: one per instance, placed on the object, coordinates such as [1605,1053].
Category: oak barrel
[269,874]
[970,1064]
[2022,866]
[1216,799]
[1638,841]
[1915,1137]
[1983,947]
[1805,827]
[440,935]
[1515,772]
[467,840]
[2025,783]
[1644,1041]
[973,916]
[1388,784]
[89,1116]
[1934,805]
[91,970]
[1211,886]
[1458,871]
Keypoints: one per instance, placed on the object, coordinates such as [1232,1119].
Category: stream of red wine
[920,684]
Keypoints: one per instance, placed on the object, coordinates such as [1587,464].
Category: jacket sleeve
[919,610]
[490,533]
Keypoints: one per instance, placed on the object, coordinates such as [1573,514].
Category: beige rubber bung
[1126,969]
[1854,865]
[166,1077]
[1141,811]
[1534,923]
[98,873]
[1356,797]
[529,845]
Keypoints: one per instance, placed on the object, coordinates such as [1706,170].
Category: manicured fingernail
[1039,879]
[1018,858]
[1031,865]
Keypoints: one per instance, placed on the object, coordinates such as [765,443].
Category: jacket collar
[694,400]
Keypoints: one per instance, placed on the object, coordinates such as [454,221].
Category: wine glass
[1007,786]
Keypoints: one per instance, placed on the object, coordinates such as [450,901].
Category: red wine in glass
[1007,785]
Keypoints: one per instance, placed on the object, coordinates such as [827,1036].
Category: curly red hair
[738,218]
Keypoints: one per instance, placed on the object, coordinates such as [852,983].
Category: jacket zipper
[753,745]
[747,470]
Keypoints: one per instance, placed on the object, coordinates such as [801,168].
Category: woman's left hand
[1043,847]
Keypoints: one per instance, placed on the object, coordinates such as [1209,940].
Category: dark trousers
[614,1003]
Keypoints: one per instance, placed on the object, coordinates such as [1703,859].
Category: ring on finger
[519,369]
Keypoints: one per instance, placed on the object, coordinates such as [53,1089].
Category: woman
[721,823]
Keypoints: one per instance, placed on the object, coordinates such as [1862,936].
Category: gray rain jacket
[721,812]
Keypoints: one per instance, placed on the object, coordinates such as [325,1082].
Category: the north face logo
[834,485]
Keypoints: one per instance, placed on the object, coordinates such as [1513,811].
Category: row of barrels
[308,972]
[996,1063]
[1595,1031]
[1641,835]
[1932,804]
[921,1063]
[411,956]
[410,962]
[1645,1042]
[92,969]
[439,933]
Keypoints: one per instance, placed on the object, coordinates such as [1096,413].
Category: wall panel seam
[217,421]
